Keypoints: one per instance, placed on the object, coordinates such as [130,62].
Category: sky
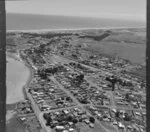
[117,9]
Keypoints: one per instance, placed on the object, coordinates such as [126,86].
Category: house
[106,119]
[129,127]
[58,128]
[142,106]
[115,123]
[120,103]
[70,123]
[114,110]
[86,121]
[137,113]
[106,102]
[65,131]
[120,125]
[91,125]
[71,129]
[66,111]
[22,118]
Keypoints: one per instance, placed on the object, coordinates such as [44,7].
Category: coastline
[71,29]
[26,83]
[11,113]
[31,75]
[13,56]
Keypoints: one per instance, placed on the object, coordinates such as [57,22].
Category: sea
[17,75]
[37,22]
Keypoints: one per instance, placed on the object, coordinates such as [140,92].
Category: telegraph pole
[2,66]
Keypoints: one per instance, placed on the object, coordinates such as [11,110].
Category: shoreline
[13,56]
[29,78]
[71,29]
[11,113]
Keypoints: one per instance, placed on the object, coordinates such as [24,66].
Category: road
[39,114]
[37,111]
[79,104]
[34,105]
[112,99]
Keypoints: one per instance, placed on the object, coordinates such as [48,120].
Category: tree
[62,98]
[117,114]
[91,119]
[52,126]
[107,79]
[102,102]
[127,118]
[113,81]
[81,76]
[69,118]
[127,96]
[49,119]
[68,99]
[47,123]
[75,121]
[80,120]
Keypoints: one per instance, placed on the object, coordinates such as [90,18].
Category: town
[76,90]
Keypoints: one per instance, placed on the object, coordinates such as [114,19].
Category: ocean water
[35,22]
[17,75]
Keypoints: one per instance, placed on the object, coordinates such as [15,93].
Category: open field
[126,44]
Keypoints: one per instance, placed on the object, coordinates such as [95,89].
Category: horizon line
[78,16]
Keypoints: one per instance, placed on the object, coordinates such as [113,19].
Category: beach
[17,76]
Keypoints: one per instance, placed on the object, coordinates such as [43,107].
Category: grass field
[126,44]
